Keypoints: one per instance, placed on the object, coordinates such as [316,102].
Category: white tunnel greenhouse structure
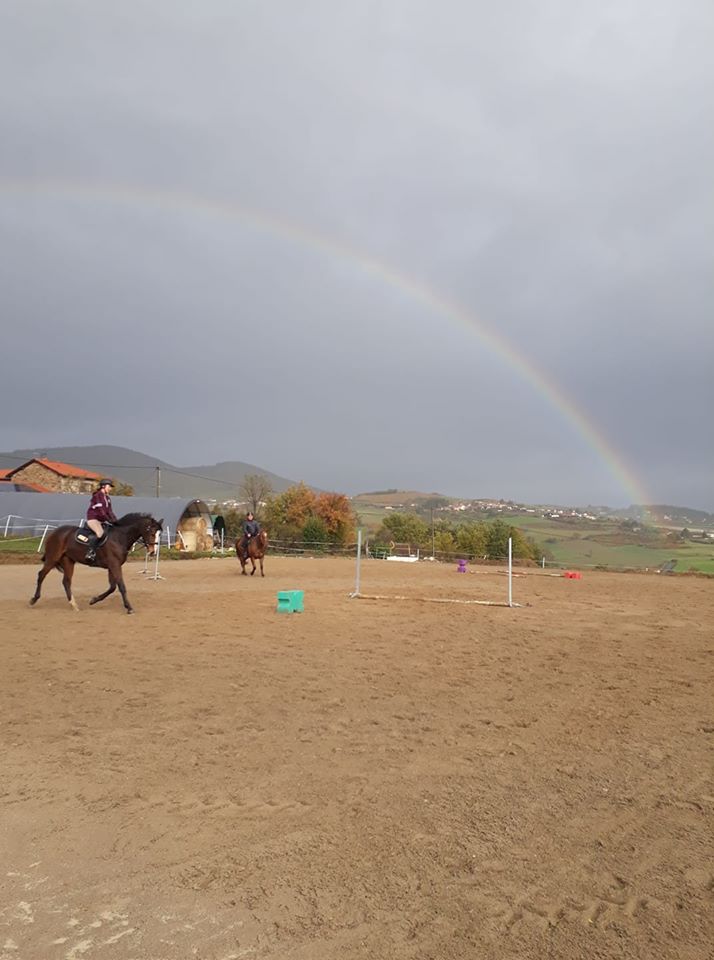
[187,523]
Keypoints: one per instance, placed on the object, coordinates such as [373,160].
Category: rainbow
[426,295]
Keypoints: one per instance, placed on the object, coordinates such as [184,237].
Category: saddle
[87,538]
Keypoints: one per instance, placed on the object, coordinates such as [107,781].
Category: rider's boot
[91,553]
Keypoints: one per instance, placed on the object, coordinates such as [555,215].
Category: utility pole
[158,481]
[432,533]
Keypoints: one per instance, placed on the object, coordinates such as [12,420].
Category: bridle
[148,541]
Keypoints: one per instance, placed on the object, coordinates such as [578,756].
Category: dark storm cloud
[545,166]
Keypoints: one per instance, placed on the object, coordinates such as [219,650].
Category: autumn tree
[122,489]
[255,489]
[287,513]
[336,513]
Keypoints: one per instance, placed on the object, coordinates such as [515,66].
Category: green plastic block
[290,601]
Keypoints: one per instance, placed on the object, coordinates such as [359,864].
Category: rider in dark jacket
[100,512]
[251,529]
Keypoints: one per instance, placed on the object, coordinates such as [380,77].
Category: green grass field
[370,517]
[573,545]
[578,543]
[25,545]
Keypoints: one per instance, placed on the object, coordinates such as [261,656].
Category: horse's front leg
[242,567]
[252,560]
[103,596]
[68,570]
[122,589]
[40,577]
[261,567]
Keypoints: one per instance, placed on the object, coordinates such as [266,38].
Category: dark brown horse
[62,550]
[256,551]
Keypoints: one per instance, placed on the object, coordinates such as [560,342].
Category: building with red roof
[52,476]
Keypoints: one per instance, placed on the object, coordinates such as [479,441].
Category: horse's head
[150,534]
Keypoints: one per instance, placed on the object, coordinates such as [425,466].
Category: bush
[315,531]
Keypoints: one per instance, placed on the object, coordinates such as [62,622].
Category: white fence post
[157,553]
[42,538]
[359,559]
[510,572]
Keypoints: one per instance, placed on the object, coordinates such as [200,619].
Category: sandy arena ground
[211,779]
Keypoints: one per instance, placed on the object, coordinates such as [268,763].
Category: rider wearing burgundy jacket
[100,511]
[100,506]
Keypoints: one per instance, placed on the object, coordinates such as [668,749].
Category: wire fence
[28,529]
[13,526]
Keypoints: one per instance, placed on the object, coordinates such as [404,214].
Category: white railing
[13,522]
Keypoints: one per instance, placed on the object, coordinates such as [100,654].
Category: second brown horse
[256,551]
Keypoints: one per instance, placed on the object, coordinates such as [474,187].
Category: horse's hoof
[130,610]
[33,601]
[92,601]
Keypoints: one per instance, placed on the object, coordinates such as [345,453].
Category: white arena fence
[310,548]
[18,528]
[321,549]
[29,528]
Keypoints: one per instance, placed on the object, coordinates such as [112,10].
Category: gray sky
[190,194]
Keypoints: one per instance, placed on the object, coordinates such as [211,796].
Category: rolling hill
[218,481]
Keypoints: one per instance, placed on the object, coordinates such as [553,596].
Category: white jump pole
[157,543]
[510,572]
[157,553]
[42,538]
[7,523]
[357,565]
[157,556]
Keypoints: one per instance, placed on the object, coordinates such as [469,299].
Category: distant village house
[51,476]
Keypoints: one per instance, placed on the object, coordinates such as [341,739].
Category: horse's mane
[130,518]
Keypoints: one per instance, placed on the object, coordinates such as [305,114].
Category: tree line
[299,514]
[473,538]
